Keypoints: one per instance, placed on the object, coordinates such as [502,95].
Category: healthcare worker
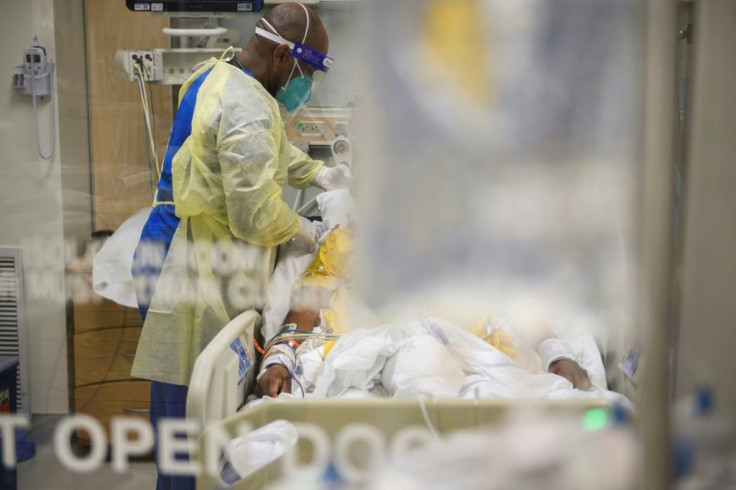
[207,250]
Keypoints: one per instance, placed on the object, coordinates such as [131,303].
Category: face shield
[309,69]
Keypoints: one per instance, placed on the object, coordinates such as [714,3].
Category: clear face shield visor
[310,68]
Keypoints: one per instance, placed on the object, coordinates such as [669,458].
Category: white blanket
[423,355]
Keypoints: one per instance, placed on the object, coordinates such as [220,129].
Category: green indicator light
[595,419]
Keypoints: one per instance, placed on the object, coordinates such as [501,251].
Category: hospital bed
[217,391]
[224,374]
[218,387]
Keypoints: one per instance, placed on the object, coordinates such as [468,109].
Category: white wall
[707,336]
[31,207]
[73,117]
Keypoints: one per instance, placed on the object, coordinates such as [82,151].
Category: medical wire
[49,73]
[147,111]
[153,131]
[153,106]
[150,143]
[258,347]
[297,330]
[150,170]
[425,415]
[144,100]
[300,336]
[293,376]
[142,93]
[148,150]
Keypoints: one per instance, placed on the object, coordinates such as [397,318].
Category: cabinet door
[104,354]
[115,399]
[103,313]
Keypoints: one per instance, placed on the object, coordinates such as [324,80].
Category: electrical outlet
[149,61]
[310,128]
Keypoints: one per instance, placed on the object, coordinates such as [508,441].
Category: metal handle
[214,31]
[128,356]
[136,411]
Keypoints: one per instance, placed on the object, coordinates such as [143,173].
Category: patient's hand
[274,381]
[571,371]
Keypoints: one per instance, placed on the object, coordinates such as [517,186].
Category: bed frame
[218,389]
[224,373]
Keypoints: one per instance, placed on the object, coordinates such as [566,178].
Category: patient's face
[311,298]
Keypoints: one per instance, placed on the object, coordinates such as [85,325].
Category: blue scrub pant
[169,401]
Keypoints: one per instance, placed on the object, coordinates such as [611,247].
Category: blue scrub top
[162,223]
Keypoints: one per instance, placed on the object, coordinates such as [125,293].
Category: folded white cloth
[251,452]
[111,268]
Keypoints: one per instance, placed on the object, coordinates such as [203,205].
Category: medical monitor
[195,6]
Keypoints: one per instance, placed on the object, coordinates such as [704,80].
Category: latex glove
[333,178]
[310,231]
[275,380]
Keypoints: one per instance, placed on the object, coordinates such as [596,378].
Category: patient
[318,317]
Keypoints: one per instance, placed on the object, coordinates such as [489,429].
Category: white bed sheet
[421,355]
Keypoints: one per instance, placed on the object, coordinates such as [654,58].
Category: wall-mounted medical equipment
[318,127]
[162,66]
[206,6]
[35,78]
[196,37]
[196,6]
[342,151]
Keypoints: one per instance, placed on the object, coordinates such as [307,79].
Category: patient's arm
[313,293]
[555,353]
[275,378]
[571,371]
